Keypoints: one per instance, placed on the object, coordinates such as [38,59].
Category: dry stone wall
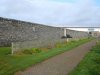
[24,35]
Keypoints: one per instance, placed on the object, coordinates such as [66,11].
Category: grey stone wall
[77,34]
[27,35]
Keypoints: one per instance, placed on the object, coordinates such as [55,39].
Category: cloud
[54,13]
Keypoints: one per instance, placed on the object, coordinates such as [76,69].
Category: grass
[90,65]
[9,64]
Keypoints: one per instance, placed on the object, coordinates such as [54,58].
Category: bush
[31,51]
[36,50]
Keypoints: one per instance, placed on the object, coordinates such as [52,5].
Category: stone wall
[45,36]
[77,34]
[27,35]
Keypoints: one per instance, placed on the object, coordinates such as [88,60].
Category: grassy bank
[90,65]
[9,64]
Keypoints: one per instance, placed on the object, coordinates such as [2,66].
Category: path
[61,64]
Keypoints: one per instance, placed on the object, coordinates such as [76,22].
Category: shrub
[31,51]
[36,50]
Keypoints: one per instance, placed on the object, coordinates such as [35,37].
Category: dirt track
[61,64]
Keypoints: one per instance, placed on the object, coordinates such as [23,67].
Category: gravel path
[61,64]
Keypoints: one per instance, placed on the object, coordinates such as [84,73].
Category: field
[9,64]
[90,65]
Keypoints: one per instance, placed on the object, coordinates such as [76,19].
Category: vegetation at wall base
[90,65]
[9,64]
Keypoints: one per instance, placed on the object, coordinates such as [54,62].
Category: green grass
[90,65]
[9,64]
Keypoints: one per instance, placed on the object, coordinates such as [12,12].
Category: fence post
[12,48]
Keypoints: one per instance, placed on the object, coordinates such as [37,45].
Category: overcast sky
[53,12]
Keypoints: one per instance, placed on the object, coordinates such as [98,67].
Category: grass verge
[9,64]
[90,65]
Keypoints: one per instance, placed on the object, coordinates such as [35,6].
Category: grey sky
[53,12]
